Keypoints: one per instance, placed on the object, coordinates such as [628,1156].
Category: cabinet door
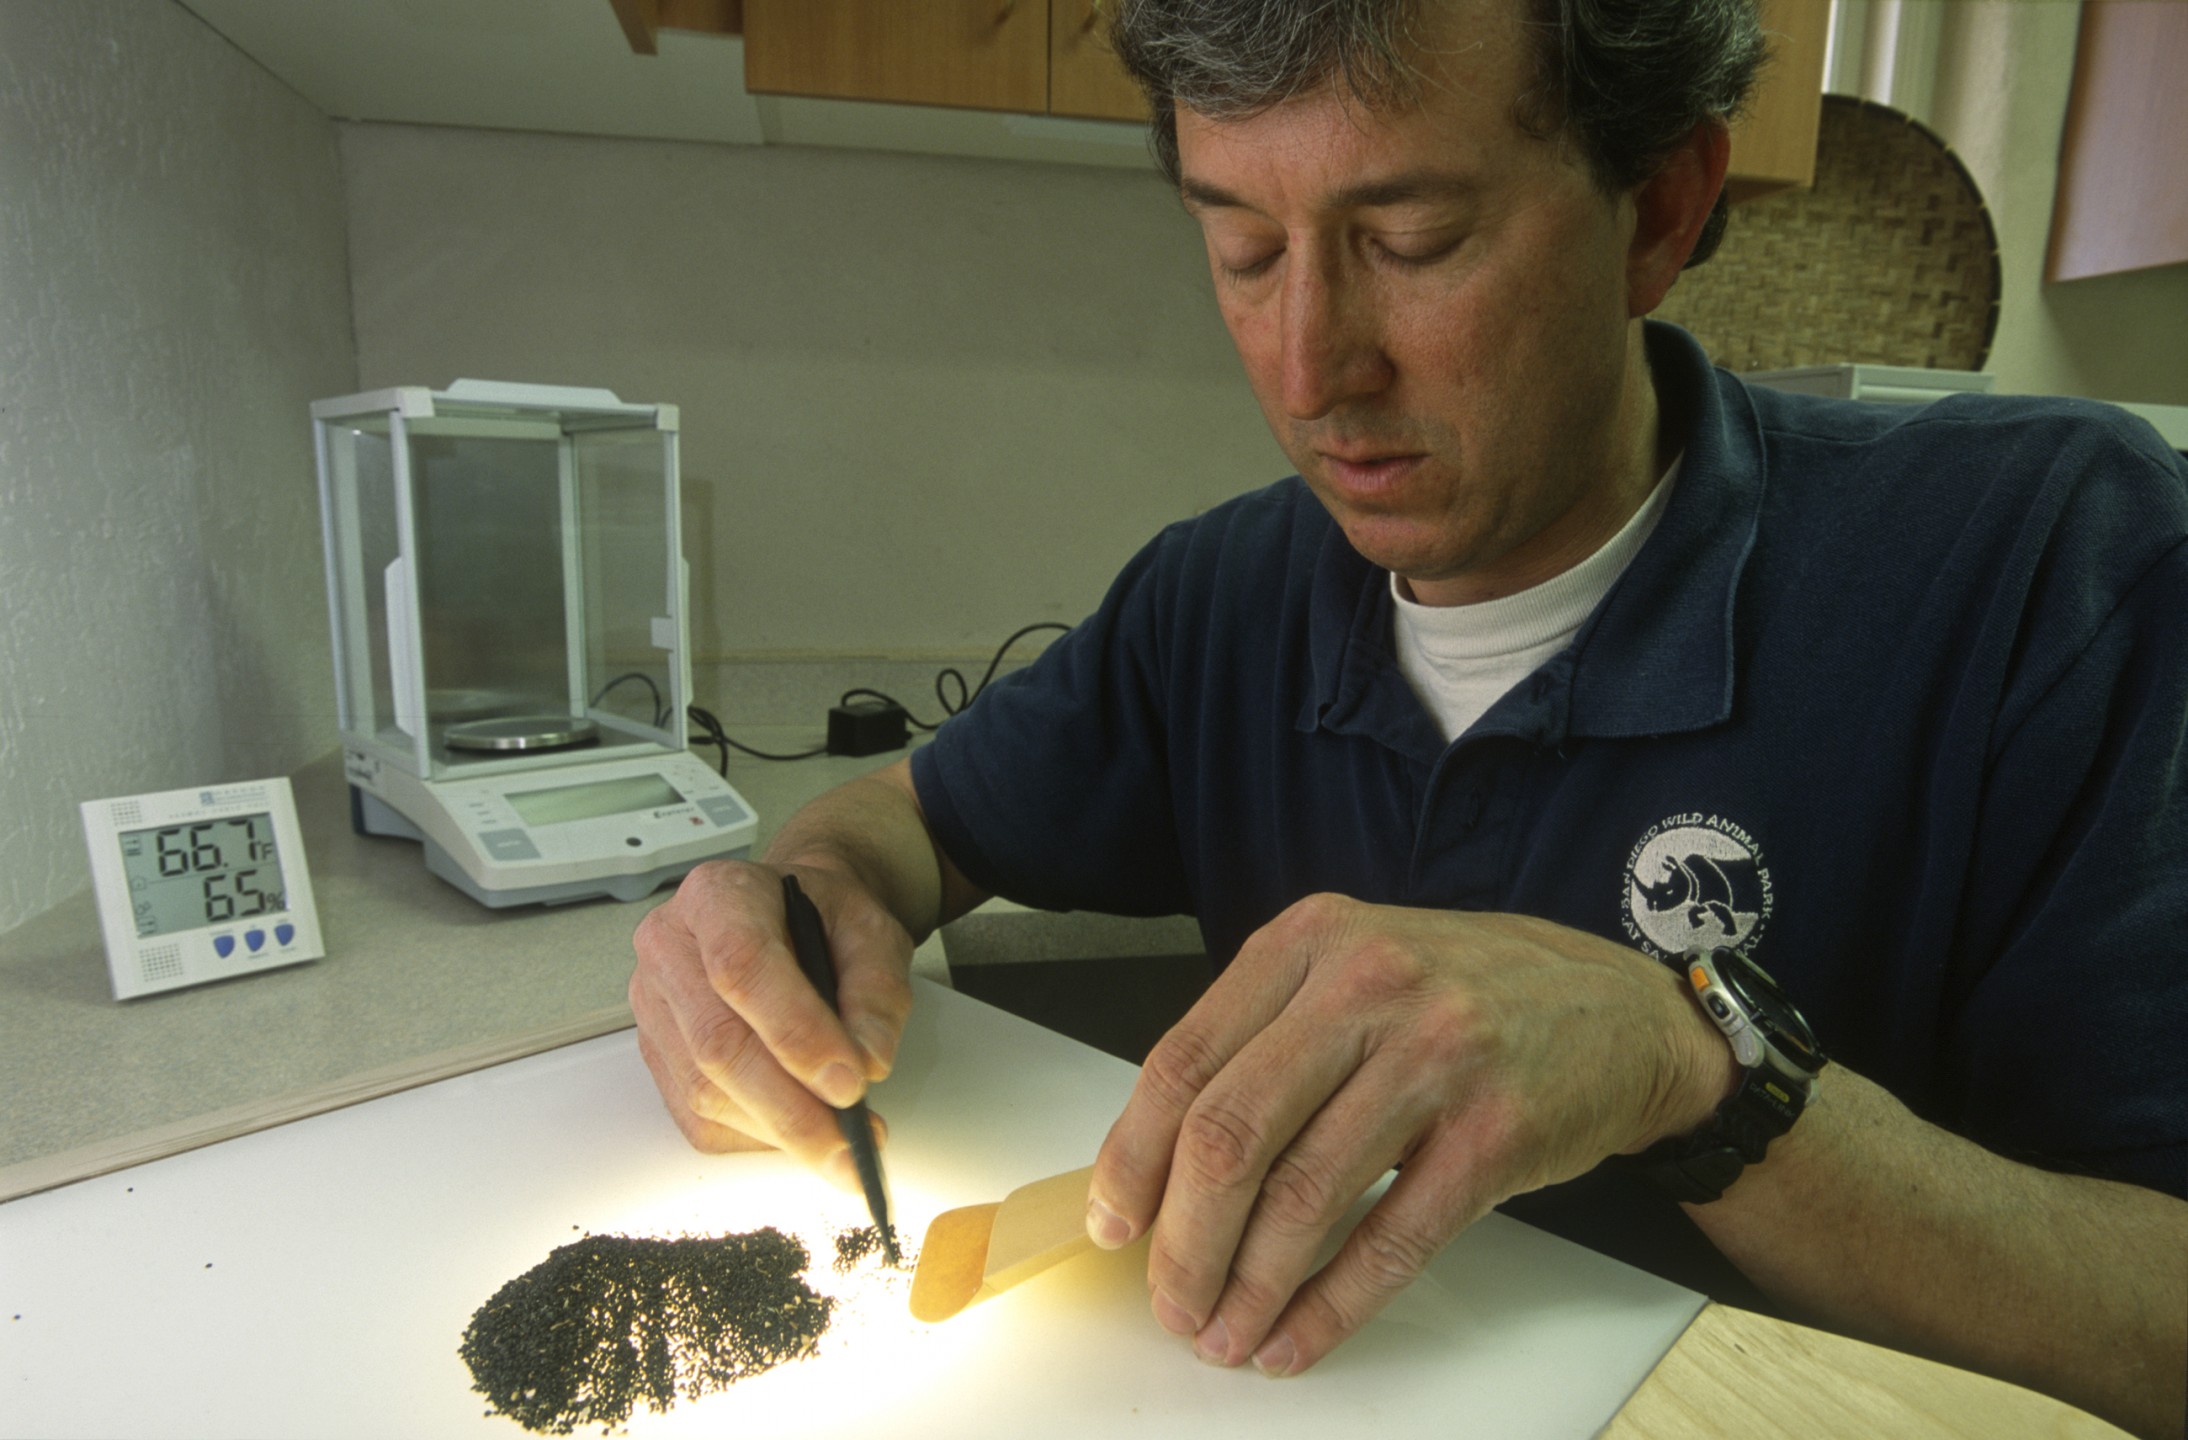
[1774,145]
[1084,78]
[975,54]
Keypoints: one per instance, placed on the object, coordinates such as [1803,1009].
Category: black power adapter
[866,727]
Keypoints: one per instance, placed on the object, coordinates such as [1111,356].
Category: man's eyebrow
[1411,188]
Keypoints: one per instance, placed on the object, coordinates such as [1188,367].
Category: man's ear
[1670,209]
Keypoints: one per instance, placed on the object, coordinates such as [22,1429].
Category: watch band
[1699,1167]
[1775,1046]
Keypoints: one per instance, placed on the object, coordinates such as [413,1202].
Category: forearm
[872,827]
[1872,1222]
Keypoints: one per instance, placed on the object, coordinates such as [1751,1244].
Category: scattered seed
[853,1246]
[610,1322]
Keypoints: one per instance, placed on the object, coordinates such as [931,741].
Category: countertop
[419,981]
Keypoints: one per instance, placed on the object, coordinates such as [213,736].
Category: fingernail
[839,1085]
[1105,1227]
[1171,1318]
[1276,1358]
[1213,1343]
[873,1038]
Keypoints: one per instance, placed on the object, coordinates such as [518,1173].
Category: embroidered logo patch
[1693,880]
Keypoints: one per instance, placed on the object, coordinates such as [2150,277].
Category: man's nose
[1332,345]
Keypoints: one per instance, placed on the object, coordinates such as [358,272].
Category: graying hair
[1625,80]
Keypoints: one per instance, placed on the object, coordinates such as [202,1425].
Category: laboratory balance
[506,587]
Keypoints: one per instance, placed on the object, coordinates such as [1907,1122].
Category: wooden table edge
[1823,1386]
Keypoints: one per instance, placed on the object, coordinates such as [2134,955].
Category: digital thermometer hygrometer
[201,884]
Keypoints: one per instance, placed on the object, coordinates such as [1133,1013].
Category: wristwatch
[1781,1059]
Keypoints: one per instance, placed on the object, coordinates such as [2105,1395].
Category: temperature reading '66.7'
[186,877]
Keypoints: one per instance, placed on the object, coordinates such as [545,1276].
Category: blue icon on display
[224,945]
[284,932]
[256,939]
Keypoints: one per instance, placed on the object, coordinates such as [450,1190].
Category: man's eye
[1416,253]
[1248,269]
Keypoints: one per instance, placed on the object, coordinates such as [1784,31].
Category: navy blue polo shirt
[1894,699]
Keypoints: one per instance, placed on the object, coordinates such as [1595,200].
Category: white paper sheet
[315,1279]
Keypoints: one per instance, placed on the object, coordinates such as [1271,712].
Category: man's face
[1432,309]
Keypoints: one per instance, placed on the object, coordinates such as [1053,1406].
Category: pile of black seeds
[610,1322]
[854,1246]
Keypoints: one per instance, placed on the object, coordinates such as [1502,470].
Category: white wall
[1993,78]
[925,399]
[172,296]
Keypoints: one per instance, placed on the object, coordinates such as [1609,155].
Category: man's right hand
[742,1047]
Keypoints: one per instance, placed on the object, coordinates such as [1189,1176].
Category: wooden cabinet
[643,20]
[970,54]
[1774,145]
[1084,77]
[1050,57]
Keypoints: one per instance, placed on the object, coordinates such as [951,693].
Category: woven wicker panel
[1891,259]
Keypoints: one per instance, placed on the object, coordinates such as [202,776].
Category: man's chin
[1399,546]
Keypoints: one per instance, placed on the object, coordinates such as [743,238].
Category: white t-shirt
[1460,659]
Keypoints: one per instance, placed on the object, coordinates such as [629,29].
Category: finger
[722,1046]
[661,1043]
[713,1122]
[1241,1125]
[1357,1135]
[1133,1168]
[690,1095]
[737,921]
[1430,1202]
[873,955]
[704,1132]
[731,1085]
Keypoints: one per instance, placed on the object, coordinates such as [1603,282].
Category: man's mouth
[1367,474]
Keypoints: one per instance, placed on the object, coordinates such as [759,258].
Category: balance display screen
[186,877]
[590,802]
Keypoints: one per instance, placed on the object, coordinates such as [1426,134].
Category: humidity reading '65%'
[186,877]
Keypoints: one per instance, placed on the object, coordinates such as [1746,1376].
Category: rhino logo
[1698,883]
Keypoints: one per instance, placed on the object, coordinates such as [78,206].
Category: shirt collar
[1656,657]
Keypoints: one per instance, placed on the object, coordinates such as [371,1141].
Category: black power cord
[713,734]
[949,673]
[660,706]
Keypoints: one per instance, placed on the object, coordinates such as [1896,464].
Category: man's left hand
[1491,1054]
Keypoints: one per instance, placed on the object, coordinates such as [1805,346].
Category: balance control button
[256,939]
[724,810]
[284,932]
[224,945]
[509,845]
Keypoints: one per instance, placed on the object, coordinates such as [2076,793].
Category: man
[1564,656]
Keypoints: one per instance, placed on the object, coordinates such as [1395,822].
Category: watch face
[1761,997]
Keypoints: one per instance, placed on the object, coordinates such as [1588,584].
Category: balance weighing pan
[522,732]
